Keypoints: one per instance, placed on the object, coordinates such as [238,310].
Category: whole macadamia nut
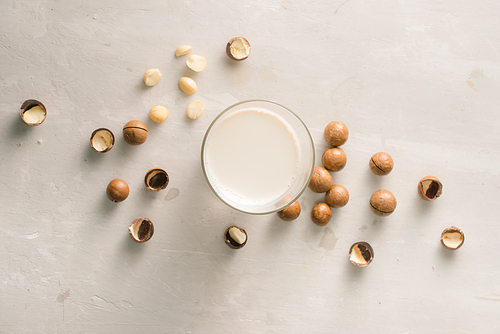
[321,180]
[135,132]
[337,196]
[321,214]
[290,213]
[336,133]
[117,190]
[383,202]
[334,159]
[381,163]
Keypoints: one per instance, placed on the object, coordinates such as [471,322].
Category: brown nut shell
[383,202]
[361,254]
[321,214]
[337,196]
[321,180]
[135,132]
[430,188]
[238,48]
[334,159]
[336,134]
[452,238]
[291,212]
[26,116]
[141,229]
[381,163]
[117,190]
[232,243]
[102,140]
[156,179]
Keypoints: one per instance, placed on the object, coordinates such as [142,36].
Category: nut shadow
[131,248]
[18,129]
[106,206]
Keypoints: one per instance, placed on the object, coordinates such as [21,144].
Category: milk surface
[252,156]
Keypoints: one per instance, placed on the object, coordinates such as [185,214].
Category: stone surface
[416,79]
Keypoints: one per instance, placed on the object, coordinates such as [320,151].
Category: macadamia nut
[291,212]
[321,180]
[383,202]
[337,196]
[321,214]
[182,50]
[238,49]
[152,76]
[196,63]
[336,133]
[334,159]
[158,114]
[187,85]
[381,163]
[195,109]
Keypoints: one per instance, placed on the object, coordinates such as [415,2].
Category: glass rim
[205,173]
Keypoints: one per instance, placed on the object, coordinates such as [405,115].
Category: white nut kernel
[196,63]
[152,76]
[187,85]
[182,50]
[237,235]
[195,109]
[158,114]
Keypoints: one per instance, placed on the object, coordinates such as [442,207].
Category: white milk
[252,156]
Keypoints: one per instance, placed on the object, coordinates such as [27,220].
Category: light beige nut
[182,50]
[33,112]
[452,238]
[152,76]
[196,62]
[195,109]
[158,113]
[187,85]
[235,237]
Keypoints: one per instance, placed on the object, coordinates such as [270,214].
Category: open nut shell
[102,140]
[236,56]
[361,254]
[27,105]
[231,242]
[156,179]
[141,229]
[430,188]
[447,241]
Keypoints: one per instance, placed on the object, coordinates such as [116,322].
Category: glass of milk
[257,156]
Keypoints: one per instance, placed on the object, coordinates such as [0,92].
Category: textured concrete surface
[417,79]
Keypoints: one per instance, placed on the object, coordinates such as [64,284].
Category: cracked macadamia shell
[337,196]
[430,188]
[336,134]
[141,229]
[117,190]
[135,132]
[452,238]
[361,254]
[235,237]
[156,179]
[33,112]
[321,180]
[291,212]
[102,140]
[381,163]
[334,159]
[321,214]
[238,48]
[383,202]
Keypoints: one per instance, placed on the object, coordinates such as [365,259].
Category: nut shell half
[452,238]
[36,116]
[361,254]
[156,179]
[430,188]
[141,229]
[102,140]
[383,202]
[381,163]
[238,48]
[291,212]
[135,132]
[232,243]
